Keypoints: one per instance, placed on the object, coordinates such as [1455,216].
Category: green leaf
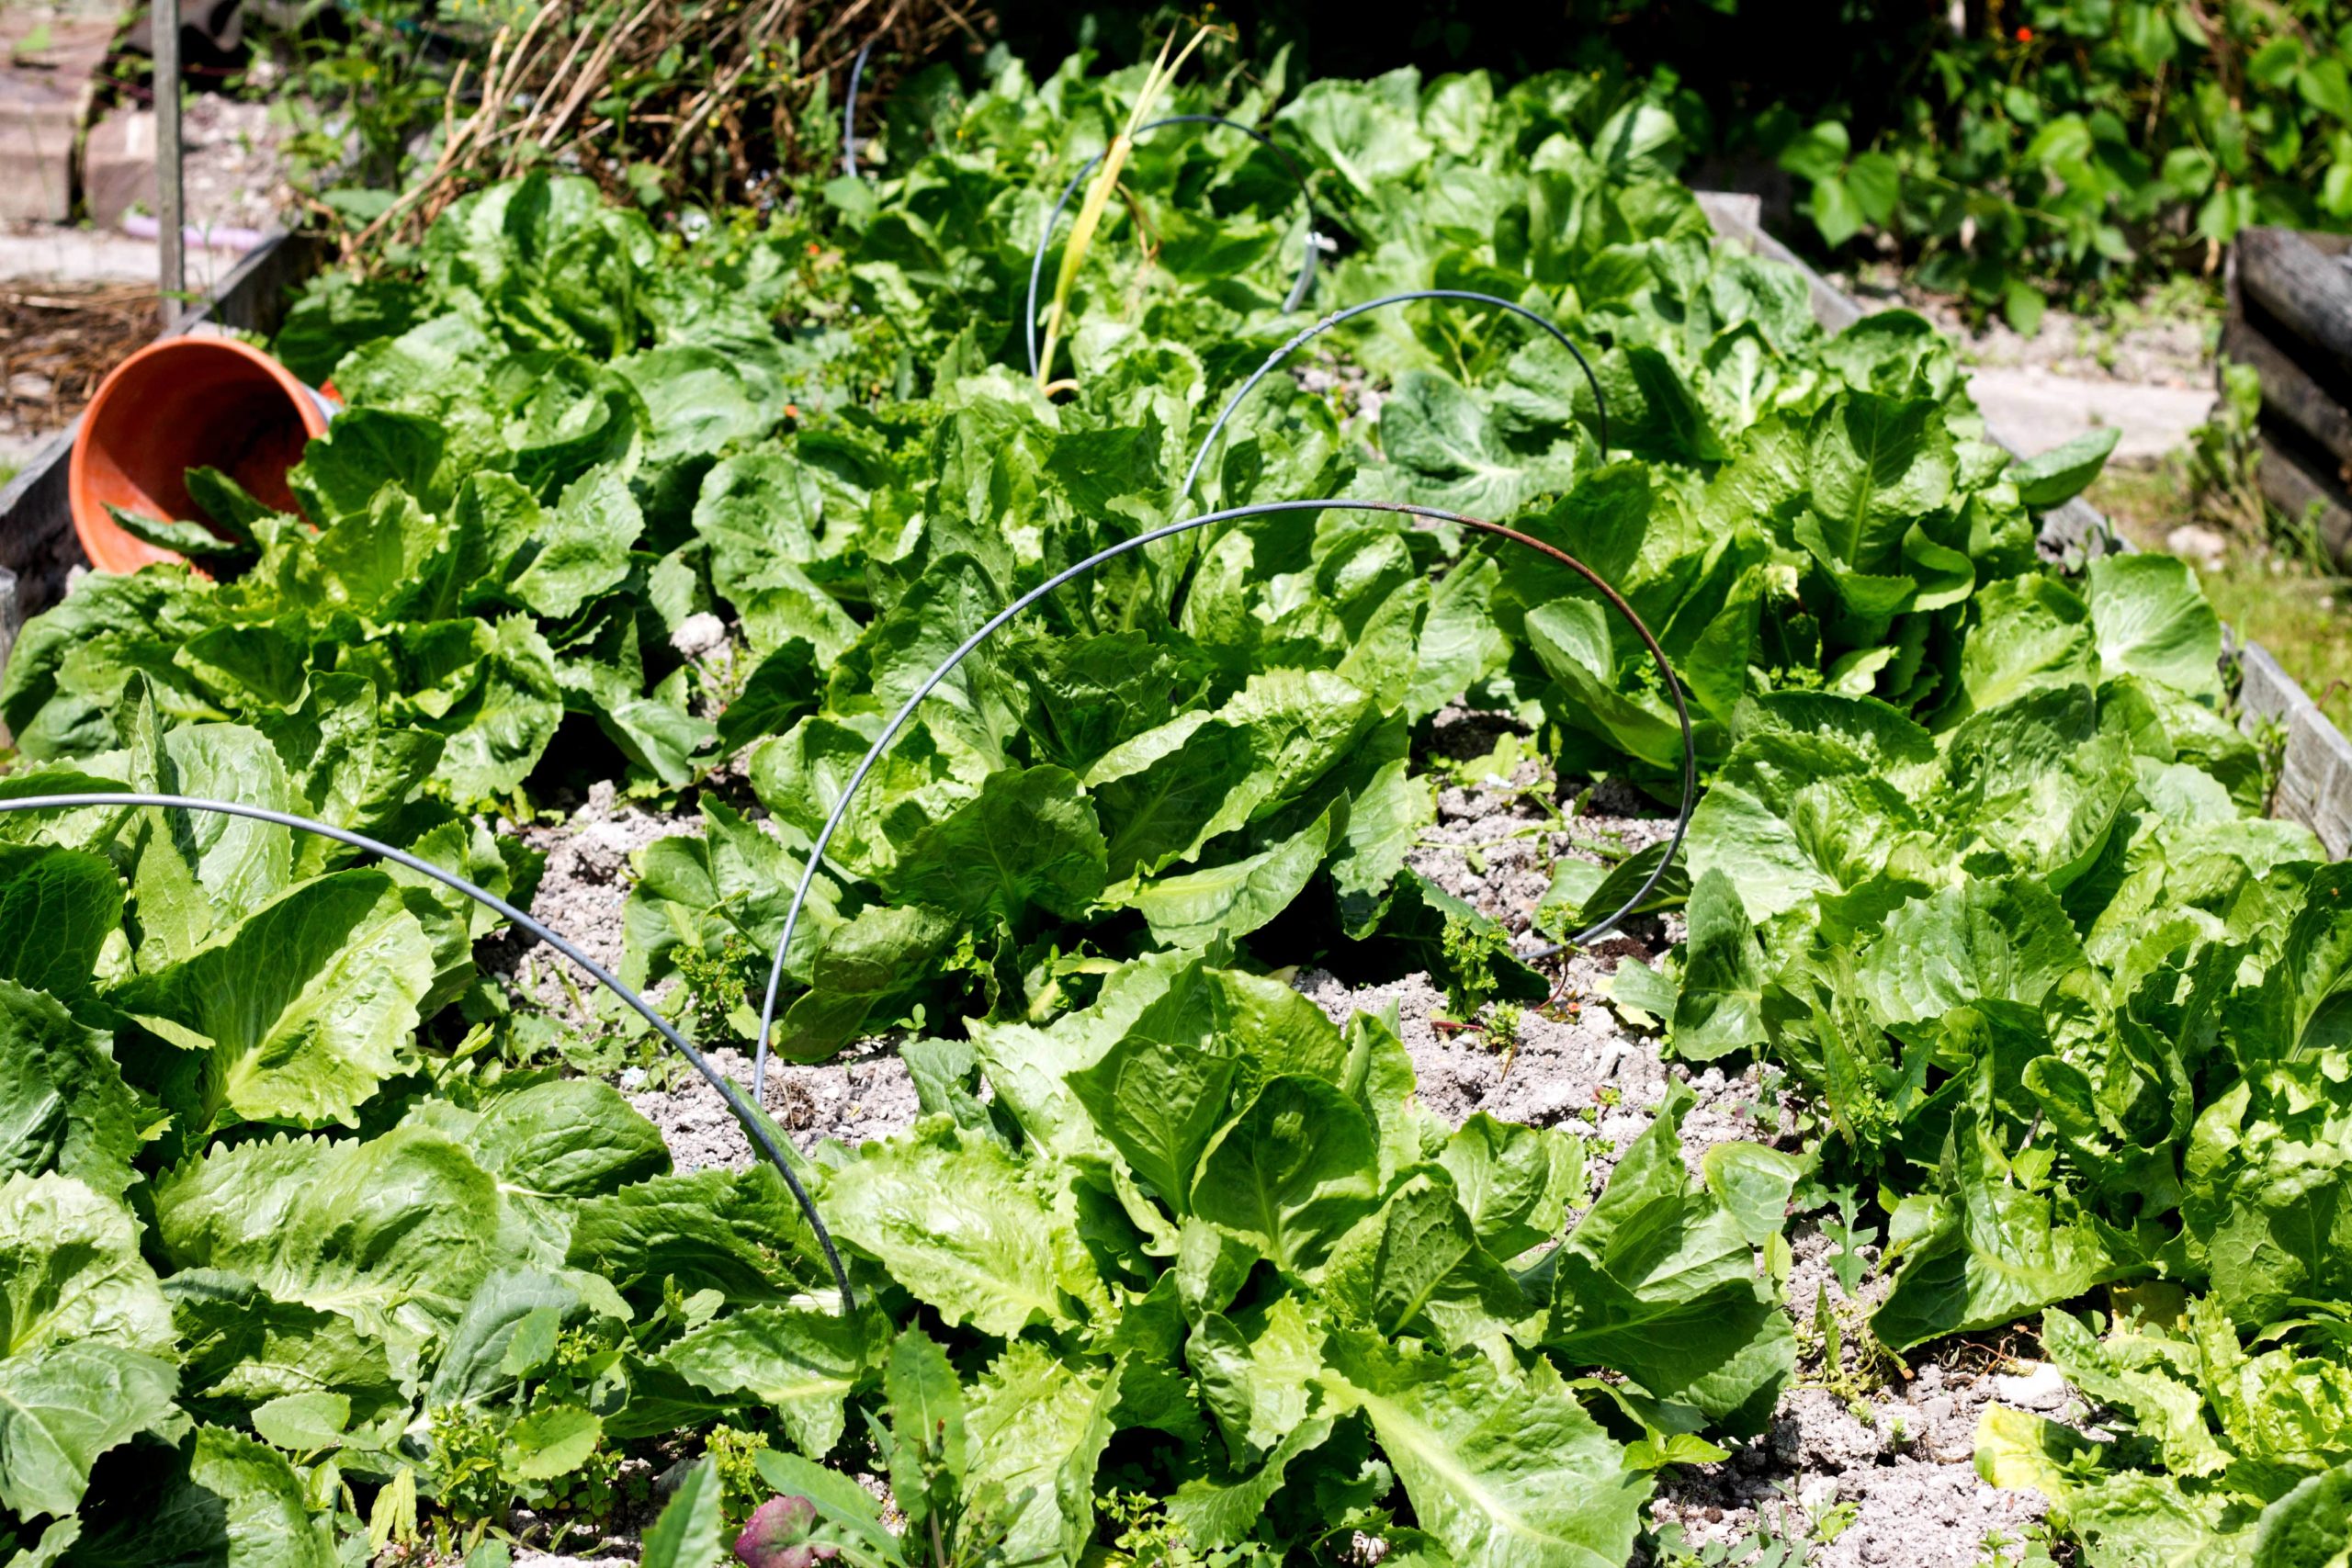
[2007,940]
[364,450]
[194,540]
[64,1106]
[1878,465]
[1515,1182]
[1028,837]
[86,1340]
[1159,1102]
[1659,1280]
[1505,1472]
[1983,1251]
[1292,1172]
[736,1232]
[228,1501]
[394,1233]
[1837,212]
[1417,1267]
[960,1224]
[926,1414]
[800,1364]
[1037,1426]
[552,1441]
[2310,1527]
[580,551]
[1721,1008]
[2061,473]
[1816,153]
[1875,181]
[1236,898]
[303,1423]
[501,719]
[2149,617]
[687,1533]
[303,1009]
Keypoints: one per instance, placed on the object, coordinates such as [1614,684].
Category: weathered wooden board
[2293,484]
[2305,290]
[2288,391]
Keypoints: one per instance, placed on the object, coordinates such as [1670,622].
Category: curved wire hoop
[751,1123]
[1255,509]
[849,110]
[1305,334]
[1311,250]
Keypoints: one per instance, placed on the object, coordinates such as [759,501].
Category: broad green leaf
[580,551]
[393,1233]
[1721,1008]
[1256,1371]
[687,1533]
[798,1364]
[1501,1470]
[1292,1172]
[1983,1252]
[1039,1425]
[1515,1182]
[2007,940]
[1231,900]
[1659,1280]
[552,1441]
[736,1232]
[2058,475]
[967,1230]
[2309,1528]
[245,1350]
[86,1340]
[301,1010]
[1159,1102]
[2148,617]
[1417,1267]
[227,1500]
[1029,838]
[64,1106]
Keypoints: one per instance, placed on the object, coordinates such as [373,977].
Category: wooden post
[164,24]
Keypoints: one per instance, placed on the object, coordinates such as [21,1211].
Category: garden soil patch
[1884,1452]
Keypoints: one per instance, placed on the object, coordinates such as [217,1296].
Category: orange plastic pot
[181,403]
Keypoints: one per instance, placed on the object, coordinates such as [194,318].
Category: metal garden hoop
[1310,251]
[849,110]
[1305,334]
[946,667]
[752,1127]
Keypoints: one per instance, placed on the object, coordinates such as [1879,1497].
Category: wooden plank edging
[2315,771]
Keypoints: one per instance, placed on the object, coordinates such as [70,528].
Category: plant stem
[1161,76]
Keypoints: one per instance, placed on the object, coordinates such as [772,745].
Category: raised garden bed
[1194,914]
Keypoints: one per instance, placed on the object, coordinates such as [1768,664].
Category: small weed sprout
[718,999]
[1471,948]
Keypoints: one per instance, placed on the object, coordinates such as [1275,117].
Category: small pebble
[2039,1386]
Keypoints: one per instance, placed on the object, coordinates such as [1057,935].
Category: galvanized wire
[1311,250]
[753,1127]
[849,110]
[1305,334]
[946,667]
